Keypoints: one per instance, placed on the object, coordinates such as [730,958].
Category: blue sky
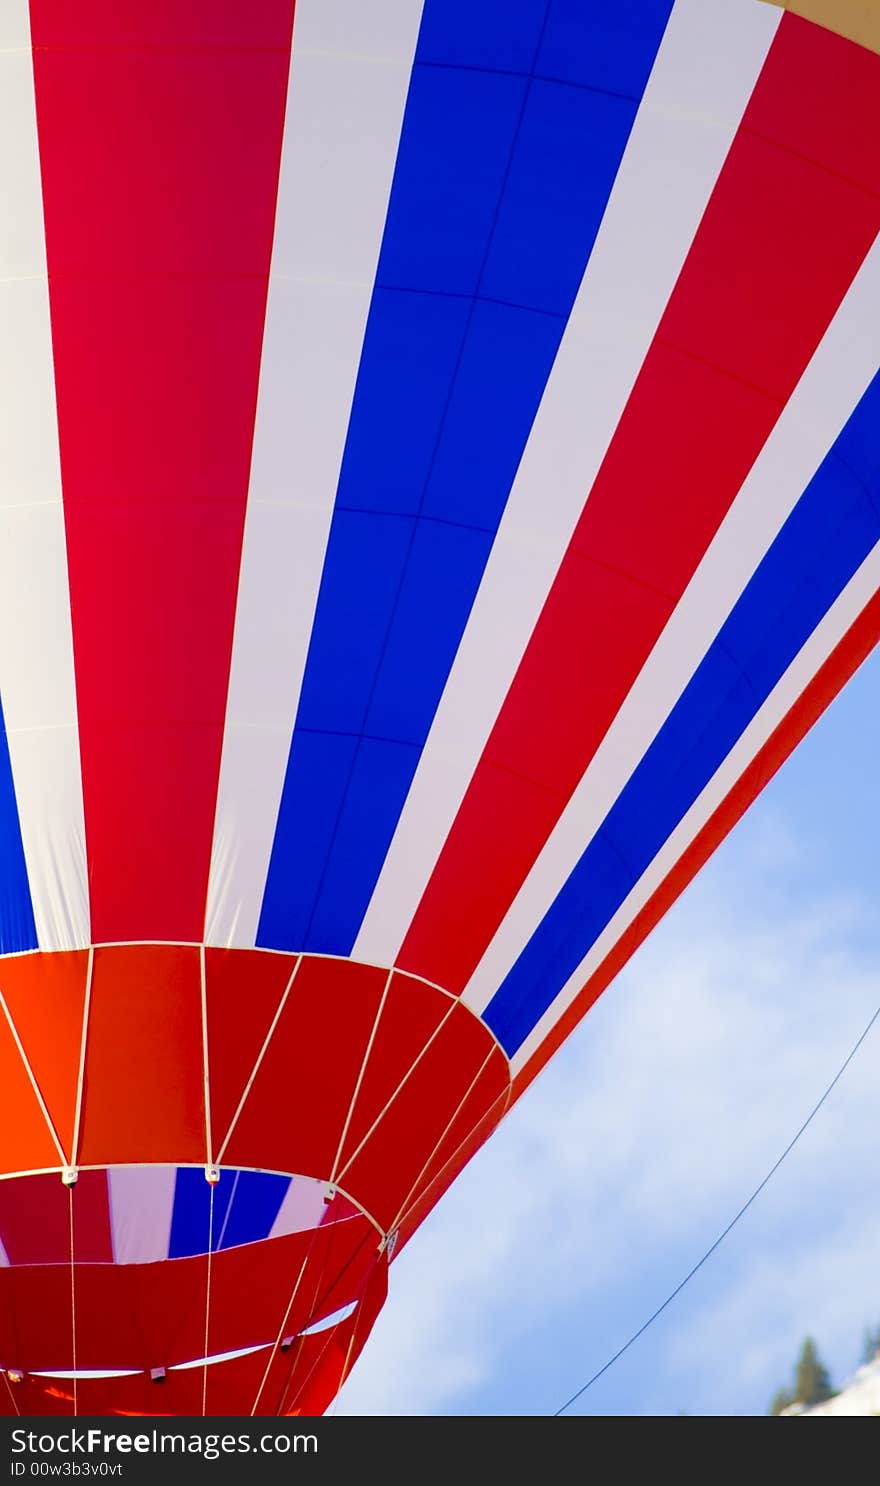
[646,1133]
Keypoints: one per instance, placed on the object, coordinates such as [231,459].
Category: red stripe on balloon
[791,218]
[160,136]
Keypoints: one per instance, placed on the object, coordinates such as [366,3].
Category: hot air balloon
[439,486]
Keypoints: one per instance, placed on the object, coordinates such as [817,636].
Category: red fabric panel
[45,994]
[777,248]
[411,1014]
[25,1142]
[160,139]
[144,1079]
[35,1219]
[487,1093]
[382,1174]
[153,1315]
[243,992]
[252,1286]
[323,1362]
[296,1110]
[858,643]
[161,23]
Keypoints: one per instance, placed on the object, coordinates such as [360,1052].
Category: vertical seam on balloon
[260,1056]
[438,1143]
[406,1077]
[203,988]
[81,1071]
[33,1082]
[360,1077]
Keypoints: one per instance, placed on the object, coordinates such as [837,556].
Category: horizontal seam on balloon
[380,59]
[155,49]
[786,149]
[485,531]
[619,572]
[538,77]
[125,275]
[777,398]
[472,297]
[198,1166]
[257,949]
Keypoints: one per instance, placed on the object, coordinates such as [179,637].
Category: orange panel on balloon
[46,994]
[296,1110]
[144,1081]
[243,992]
[25,1142]
[382,1174]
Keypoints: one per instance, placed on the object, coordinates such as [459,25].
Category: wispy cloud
[634,1149]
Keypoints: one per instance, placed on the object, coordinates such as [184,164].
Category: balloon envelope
[439,487]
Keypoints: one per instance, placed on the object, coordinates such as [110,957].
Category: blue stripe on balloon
[517,117]
[253,1207]
[191,1219]
[831,531]
[18,929]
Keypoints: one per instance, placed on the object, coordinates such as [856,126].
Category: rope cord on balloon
[318,1301]
[360,1078]
[724,1232]
[9,1390]
[502,1099]
[260,1056]
[405,1080]
[227,1215]
[72,1301]
[293,1294]
[283,1408]
[206,1353]
[346,1366]
[438,1143]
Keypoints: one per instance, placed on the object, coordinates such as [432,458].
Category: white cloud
[633,1150]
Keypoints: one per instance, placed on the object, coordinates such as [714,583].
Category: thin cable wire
[732,1224]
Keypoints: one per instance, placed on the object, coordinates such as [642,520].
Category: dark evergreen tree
[811,1381]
